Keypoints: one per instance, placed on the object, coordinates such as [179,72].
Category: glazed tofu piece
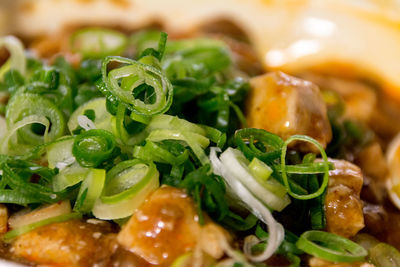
[166,226]
[70,243]
[3,219]
[285,105]
[343,207]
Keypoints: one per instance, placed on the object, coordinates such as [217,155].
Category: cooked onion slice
[228,172]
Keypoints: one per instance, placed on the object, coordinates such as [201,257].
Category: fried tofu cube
[70,243]
[166,226]
[285,105]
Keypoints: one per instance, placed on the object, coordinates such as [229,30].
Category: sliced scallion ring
[259,188]
[135,79]
[284,168]
[93,147]
[98,42]
[244,139]
[26,104]
[11,134]
[90,190]
[103,119]
[17,59]
[127,186]
[59,155]
[195,141]
[330,247]
[151,151]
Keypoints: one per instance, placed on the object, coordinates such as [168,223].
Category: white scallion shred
[275,229]
[86,123]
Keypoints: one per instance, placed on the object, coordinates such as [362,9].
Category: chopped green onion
[240,170]
[17,60]
[102,120]
[195,141]
[90,190]
[284,167]
[233,180]
[26,104]
[98,42]
[30,120]
[271,143]
[383,255]
[159,53]
[93,147]
[59,155]
[153,152]
[260,169]
[330,247]
[142,88]
[30,191]
[9,236]
[127,186]
[306,168]
[15,197]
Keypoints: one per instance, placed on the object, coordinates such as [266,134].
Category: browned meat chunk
[285,105]
[3,218]
[71,243]
[343,207]
[166,226]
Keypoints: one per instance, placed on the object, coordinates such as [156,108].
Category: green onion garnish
[17,60]
[284,167]
[93,147]
[142,88]
[127,186]
[98,42]
[330,247]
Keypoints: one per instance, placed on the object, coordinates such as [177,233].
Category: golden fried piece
[343,207]
[166,226]
[285,105]
[71,243]
[3,219]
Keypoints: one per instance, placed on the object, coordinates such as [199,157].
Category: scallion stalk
[330,247]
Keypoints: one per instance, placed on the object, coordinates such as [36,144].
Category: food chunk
[285,105]
[359,98]
[3,218]
[166,226]
[343,207]
[28,216]
[71,243]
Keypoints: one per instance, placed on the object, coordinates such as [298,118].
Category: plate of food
[201,133]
